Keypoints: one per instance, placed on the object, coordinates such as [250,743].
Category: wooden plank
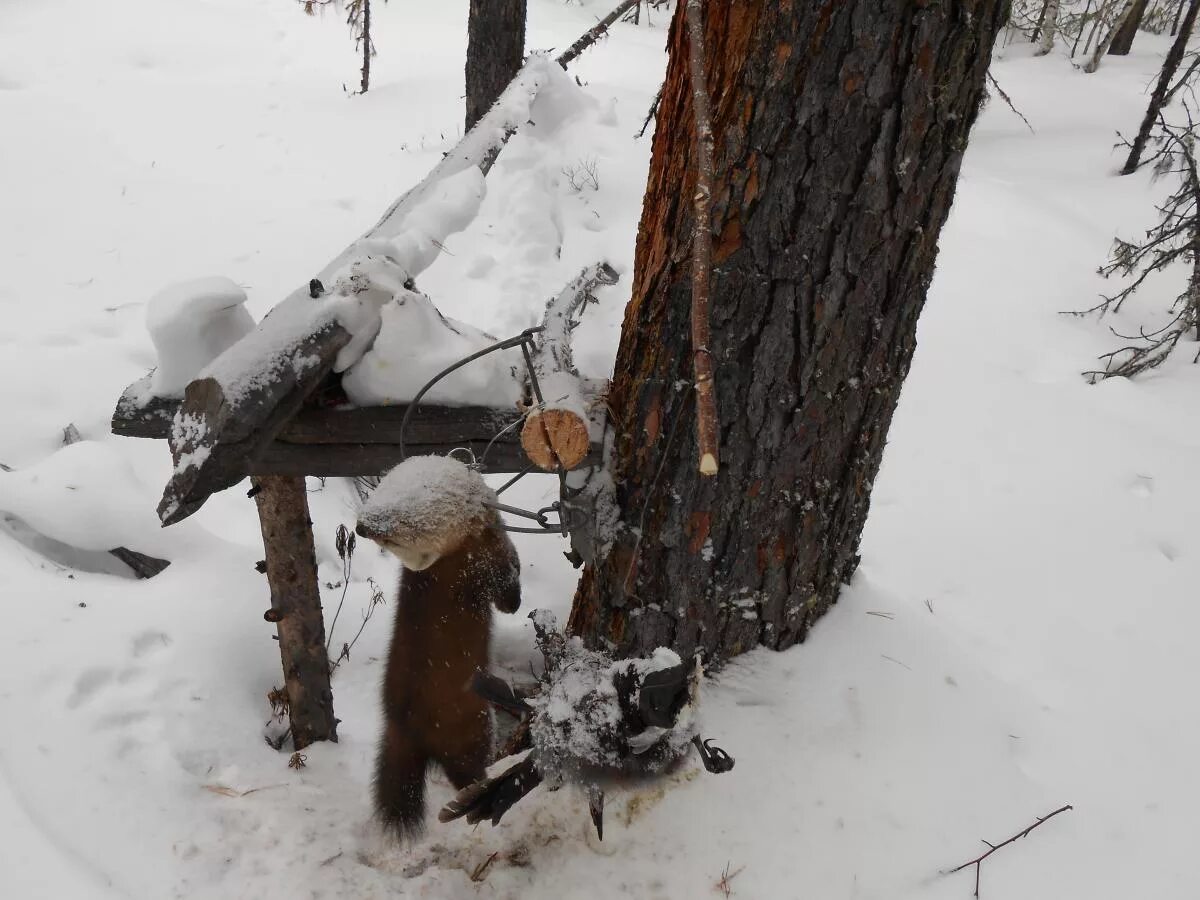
[140,414]
[296,607]
[381,425]
[348,425]
[221,431]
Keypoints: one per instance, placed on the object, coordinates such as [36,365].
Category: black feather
[491,798]
[664,694]
[499,693]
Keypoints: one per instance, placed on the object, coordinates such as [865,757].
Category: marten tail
[491,798]
[400,783]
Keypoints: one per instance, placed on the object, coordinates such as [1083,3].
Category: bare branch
[977,862]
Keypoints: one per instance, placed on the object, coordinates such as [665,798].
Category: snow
[426,496]
[85,495]
[191,324]
[415,343]
[1019,635]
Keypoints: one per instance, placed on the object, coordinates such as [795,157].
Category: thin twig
[653,110]
[706,405]
[977,862]
[1008,100]
[593,34]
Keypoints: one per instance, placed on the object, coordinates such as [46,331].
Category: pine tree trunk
[1123,41]
[839,131]
[1159,97]
[495,49]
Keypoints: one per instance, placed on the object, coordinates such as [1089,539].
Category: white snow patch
[191,324]
[426,495]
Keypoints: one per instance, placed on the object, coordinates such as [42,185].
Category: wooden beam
[140,414]
[221,424]
[350,441]
[296,606]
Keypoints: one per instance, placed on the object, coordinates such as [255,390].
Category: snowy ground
[1019,635]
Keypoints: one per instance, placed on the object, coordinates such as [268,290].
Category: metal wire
[524,340]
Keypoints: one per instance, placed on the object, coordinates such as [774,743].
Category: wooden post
[296,606]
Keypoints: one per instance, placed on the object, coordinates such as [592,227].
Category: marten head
[426,508]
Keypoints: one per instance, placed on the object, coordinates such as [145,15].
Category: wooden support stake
[296,606]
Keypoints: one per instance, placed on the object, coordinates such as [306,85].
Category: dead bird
[595,722]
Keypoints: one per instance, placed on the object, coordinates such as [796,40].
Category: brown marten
[458,561]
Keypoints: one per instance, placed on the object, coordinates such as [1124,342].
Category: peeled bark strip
[839,129]
[706,404]
[296,606]
[495,48]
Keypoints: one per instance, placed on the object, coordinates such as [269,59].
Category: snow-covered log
[556,432]
[244,397]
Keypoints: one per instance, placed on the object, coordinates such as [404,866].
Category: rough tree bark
[296,606]
[1159,98]
[839,131]
[495,48]
[1123,41]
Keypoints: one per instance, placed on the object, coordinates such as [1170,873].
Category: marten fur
[442,628]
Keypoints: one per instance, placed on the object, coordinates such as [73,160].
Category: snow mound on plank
[192,323]
[426,499]
[415,342]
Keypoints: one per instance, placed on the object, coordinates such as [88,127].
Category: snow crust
[191,324]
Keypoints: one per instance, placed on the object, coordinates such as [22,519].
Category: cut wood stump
[554,438]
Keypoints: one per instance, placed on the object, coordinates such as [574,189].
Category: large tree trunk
[1161,90]
[839,130]
[1123,40]
[495,48]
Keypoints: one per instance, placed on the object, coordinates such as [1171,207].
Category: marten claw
[715,760]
